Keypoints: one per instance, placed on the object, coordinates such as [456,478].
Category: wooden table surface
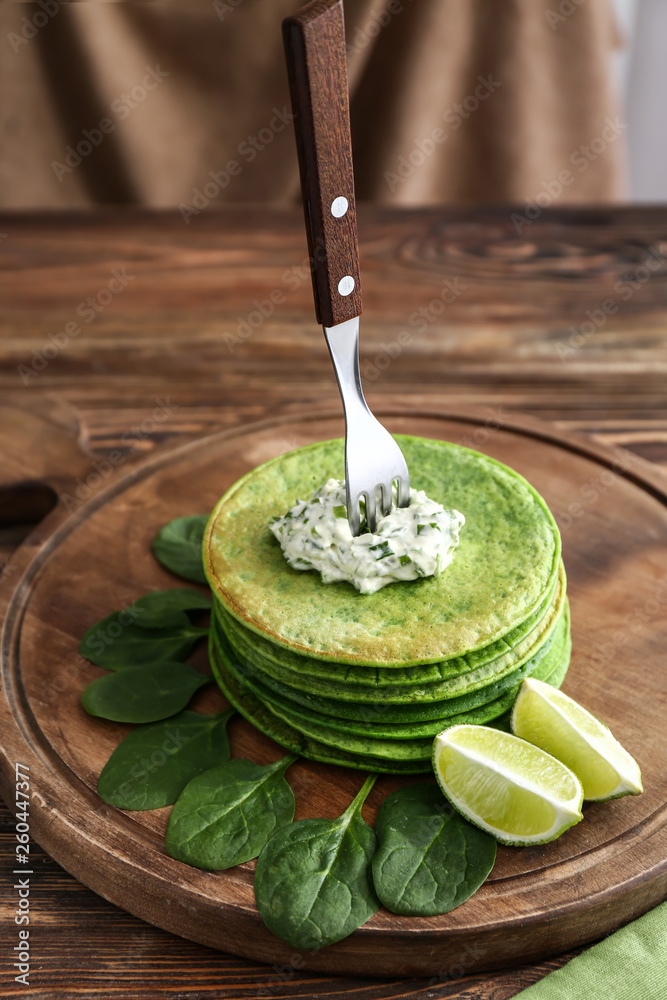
[126,331]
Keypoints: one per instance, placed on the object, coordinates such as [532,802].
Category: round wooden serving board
[77,567]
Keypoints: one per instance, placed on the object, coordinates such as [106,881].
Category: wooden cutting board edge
[84,823]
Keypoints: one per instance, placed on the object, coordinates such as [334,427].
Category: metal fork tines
[373,460]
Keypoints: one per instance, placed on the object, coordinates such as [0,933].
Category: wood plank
[495,345]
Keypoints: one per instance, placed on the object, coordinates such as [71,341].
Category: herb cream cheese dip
[411,542]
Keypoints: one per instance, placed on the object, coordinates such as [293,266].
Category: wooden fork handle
[314,41]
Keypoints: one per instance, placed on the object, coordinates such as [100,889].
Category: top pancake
[506,561]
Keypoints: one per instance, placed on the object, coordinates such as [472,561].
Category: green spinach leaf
[313,882]
[226,815]
[153,764]
[143,694]
[165,608]
[116,642]
[430,858]
[178,547]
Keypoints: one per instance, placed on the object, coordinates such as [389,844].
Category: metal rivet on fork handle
[339,207]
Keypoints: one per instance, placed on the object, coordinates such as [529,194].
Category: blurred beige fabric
[186,102]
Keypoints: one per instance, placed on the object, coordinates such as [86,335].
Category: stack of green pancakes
[367,680]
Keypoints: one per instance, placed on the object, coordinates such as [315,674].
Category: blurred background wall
[640,69]
[184,102]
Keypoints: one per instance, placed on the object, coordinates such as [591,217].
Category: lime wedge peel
[556,723]
[508,787]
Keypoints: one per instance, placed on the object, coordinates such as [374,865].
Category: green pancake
[370,752]
[505,564]
[394,751]
[286,662]
[552,666]
[292,739]
[548,660]
[303,689]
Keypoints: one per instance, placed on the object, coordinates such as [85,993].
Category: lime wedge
[558,724]
[506,786]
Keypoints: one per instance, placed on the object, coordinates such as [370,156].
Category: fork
[314,41]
